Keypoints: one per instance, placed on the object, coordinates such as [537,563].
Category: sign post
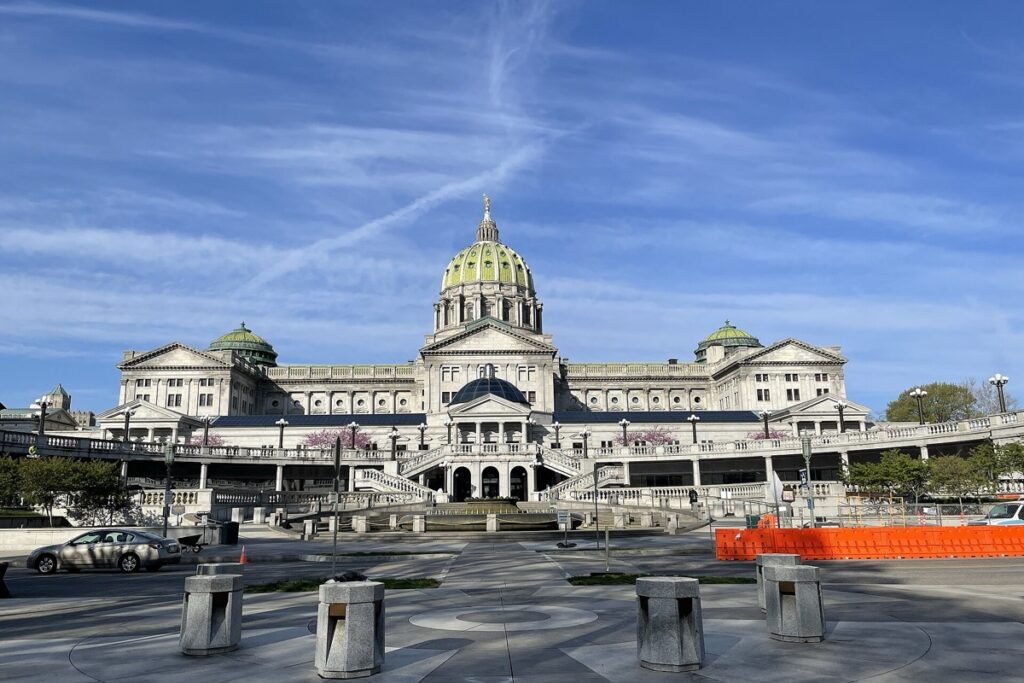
[565,521]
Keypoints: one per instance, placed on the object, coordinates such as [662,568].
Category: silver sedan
[124,549]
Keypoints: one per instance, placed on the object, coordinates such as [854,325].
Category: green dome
[487,260]
[727,335]
[249,345]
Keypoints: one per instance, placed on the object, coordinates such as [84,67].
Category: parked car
[124,549]
[1002,514]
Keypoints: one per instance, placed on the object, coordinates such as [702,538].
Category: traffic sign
[177,509]
[563,517]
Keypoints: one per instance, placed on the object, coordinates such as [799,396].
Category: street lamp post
[841,407]
[353,427]
[43,405]
[337,495]
[423,434]
[557,426]
[281,424]
[168,461]
[998,381]
[765,414]
[394,441]
[624,423]
[919,394]
[693,420]
[585,435]
[449,424]
[127,424]
[805,446]
[206,429]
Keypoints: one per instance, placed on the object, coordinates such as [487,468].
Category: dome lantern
[247,344]
[722,342]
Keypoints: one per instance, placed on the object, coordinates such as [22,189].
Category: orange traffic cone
[242,559]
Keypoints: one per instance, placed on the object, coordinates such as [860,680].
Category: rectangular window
[531,396]
[822,392]
[763,395]
[607,444]
[793,394]
[202,400]
[446,397]
[792,377]
[821,377]
[761,377]
[138,382]
[174,400]
[527,373]
[234,403]
[144,397]
[449,373]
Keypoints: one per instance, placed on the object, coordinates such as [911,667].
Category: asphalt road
[168,583]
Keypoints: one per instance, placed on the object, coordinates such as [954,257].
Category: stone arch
[490,482]
[518,487]
[462,484]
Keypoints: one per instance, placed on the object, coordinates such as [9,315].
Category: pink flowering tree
[325,438]
[772,434]
[656,436]
[211,440]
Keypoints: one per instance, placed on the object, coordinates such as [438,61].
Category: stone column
[769,469]
[817,427]
[174,435]
[696,472]
[330,403]
[150,434]
[351,479]
[309,403]
[625,473]
[844,459]
[279,483]
[479,434]
[204,470]
[501,432]
[924,452]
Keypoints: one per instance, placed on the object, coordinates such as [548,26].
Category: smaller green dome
[727,335]
[248,344]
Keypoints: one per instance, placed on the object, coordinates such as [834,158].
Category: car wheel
[46,564]
[129,563]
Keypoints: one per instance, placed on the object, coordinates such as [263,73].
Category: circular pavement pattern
[503,618]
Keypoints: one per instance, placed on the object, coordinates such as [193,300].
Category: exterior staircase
[375,480]
[609,474]
[421,461]
[561,462]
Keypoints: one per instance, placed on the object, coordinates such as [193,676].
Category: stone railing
[605,475]
[390,482]
[562,462]
[342,372]
[421,461]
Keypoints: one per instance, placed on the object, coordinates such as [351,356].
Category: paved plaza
[505,612]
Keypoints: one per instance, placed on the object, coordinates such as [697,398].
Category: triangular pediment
[489,406]
[489,336]
[793,351]
[823,406]
[143,411]
[174,354]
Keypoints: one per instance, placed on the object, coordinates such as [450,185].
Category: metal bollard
[219,568]
[350,629]
[771,560]
[211,615]
[793,599]
[669,628]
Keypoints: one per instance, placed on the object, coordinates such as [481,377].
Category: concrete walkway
[506,613]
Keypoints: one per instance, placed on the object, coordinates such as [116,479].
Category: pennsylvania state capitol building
[489,407]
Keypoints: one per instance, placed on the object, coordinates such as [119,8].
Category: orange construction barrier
[879,543]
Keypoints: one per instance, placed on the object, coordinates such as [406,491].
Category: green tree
[96,493]
[10,487]
[896,473]
[956,476]
[943,403]
[46,481]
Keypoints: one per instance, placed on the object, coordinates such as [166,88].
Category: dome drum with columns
[488,380]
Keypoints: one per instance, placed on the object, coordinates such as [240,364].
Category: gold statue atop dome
[487,205]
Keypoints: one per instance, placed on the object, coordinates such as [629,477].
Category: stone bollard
[419,525]
[671,523]
[492,523]
[793,598]
[647,519]
[669,629]
[588,519]
[350,629]
[308,528]
[620,519]
[393,522]
[360,524]
[771,560]
[332,523]
[273,519]
[219,568]
[259,515]
[211,614]
[238,515]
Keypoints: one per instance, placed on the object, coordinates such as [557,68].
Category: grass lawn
[309,585]
[630,579]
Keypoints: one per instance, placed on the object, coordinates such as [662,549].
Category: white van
[1002,514]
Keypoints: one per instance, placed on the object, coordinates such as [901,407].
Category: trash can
[670,631]
[794,612]
[211,615]
[229,533]
[350,629]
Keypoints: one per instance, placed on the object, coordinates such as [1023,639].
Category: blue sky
[843,173]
